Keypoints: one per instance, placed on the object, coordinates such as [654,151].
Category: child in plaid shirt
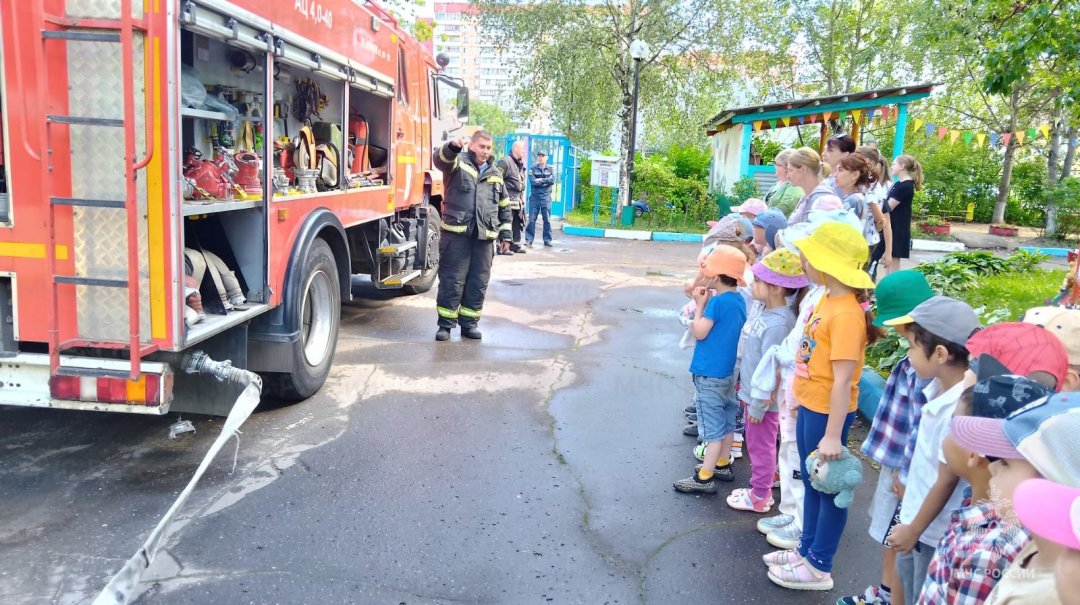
[978,545]
[893,428]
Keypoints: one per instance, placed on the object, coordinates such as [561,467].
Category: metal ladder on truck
[90,31]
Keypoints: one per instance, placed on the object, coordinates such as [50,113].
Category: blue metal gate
[564,159]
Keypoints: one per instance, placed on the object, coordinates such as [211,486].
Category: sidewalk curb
[629,234]
[929,245]
[921,245]
[1055,252]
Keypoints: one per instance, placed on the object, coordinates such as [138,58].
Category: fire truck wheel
[426,279]
[320,316]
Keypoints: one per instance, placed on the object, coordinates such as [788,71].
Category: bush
[1066,198]
[958,273]
[958,174]
[743,189]
[767,149]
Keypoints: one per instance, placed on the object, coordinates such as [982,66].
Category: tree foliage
[490,117]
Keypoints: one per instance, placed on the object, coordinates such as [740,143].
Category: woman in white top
[804,171]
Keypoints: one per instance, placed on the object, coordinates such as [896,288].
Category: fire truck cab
[182,175]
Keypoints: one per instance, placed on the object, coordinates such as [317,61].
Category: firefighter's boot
[471,332]
[442,335]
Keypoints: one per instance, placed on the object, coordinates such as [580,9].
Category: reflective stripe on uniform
[504,203]
[449,313]
[491,234]
[470,170]
[506,227]
[470,313]
[493,179]
[454,228]
[443,157]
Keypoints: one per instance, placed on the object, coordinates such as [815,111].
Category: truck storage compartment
[225,262]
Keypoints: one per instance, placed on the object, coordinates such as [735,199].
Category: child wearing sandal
[826,387]
[779,275]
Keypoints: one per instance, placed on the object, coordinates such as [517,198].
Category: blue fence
[563,157]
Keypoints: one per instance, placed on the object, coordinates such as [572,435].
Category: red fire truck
[205,175]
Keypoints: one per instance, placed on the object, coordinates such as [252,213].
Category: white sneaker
[786,537]
[771,524]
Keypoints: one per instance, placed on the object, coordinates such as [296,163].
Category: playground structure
[731,131]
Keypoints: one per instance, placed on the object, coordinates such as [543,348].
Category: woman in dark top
[898,210]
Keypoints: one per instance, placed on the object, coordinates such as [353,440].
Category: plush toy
[837,477]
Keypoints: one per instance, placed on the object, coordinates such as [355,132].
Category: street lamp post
[638,51]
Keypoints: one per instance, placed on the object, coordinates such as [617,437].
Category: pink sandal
[800,575]
[743,499]
[781,557]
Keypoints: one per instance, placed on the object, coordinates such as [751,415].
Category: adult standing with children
[783,195]
[804,170]
[898,206]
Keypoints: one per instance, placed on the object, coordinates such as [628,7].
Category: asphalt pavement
[532,467]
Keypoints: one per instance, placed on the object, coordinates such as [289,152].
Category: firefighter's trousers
[464,270]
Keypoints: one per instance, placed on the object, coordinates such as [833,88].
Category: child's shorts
[717,406]
[883,505]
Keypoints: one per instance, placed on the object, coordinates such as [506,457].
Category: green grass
[680,224]
[1016,292]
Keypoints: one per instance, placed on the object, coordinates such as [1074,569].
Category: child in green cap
[891,437]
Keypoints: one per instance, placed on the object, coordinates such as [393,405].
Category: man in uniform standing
[475,212]
[512,168]
[541,178]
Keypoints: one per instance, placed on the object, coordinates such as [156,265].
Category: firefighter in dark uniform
[513,171]
[475,213]
[541,178]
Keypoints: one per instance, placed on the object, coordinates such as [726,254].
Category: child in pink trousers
[778,278]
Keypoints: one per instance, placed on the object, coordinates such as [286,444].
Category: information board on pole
[605,171]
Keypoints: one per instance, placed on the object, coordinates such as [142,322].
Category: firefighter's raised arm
[444,159]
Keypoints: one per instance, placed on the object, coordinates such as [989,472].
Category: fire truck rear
[192,178]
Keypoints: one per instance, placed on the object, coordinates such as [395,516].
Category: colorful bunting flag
[856,114]
[941,132]
[843,115]
[1020,134]
[1045,128]
[918,123]
[802,120]
[930,127]
[967,137]
[772,123]
[786,121]
[1073,142]
[813,118]
[993,139]
[1005,138]
[1032,133]
[980,139]
[953,135]
[825,117]
[870,115]
[757,125]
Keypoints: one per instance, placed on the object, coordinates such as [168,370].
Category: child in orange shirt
[827,371]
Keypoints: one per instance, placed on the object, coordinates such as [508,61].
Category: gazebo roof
[801,107]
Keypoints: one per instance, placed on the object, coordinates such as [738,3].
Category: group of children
[978,497]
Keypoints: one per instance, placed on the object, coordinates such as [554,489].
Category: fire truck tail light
[147,390]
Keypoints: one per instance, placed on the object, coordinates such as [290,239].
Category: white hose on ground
[122,586]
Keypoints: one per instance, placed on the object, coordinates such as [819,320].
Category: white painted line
[626,234]
[928,245]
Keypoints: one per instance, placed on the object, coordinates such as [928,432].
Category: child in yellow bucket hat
[831,353]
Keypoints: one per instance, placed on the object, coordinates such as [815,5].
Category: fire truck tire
[426,280]
[319,319]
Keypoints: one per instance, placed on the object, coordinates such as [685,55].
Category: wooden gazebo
[732,130]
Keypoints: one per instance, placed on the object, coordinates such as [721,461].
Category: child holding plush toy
[827,370]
